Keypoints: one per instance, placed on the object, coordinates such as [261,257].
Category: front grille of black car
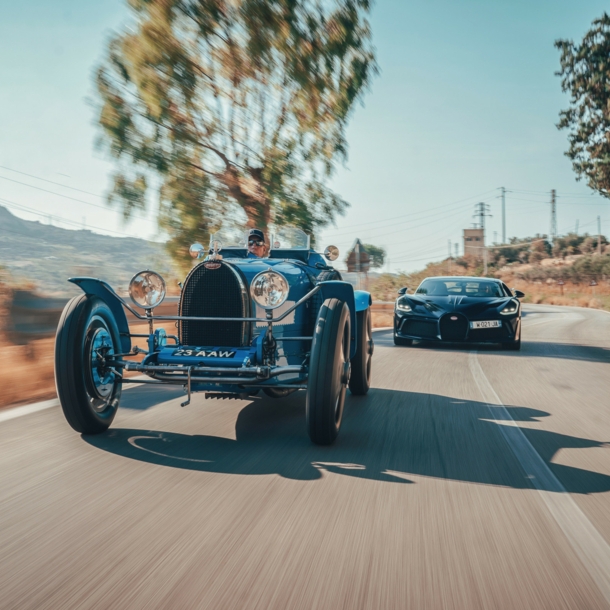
[454,327]
[214,293]
[426,329]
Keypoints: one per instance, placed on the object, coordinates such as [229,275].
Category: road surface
[467,478]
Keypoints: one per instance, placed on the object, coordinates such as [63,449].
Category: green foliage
[585,75]
[520,250]
[377,255]
[233,108]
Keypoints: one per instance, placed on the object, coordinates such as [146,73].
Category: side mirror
[518,294]
[403,290]
[331,253]
[197,250]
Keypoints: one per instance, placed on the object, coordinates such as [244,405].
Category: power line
[95,205]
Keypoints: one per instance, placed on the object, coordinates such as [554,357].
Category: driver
[256,243]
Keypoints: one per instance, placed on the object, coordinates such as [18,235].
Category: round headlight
[269,289]
[147,289]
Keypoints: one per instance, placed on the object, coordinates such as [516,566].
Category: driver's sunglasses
[255,242]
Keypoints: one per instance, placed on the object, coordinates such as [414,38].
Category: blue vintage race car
[276,324]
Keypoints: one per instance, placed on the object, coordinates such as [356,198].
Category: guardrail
[32,316]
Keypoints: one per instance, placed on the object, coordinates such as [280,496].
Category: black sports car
[458,309]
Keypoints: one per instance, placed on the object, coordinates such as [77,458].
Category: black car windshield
[468,288]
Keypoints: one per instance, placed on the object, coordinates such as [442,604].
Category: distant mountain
[47,256]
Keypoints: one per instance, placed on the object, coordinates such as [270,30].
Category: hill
[46,256]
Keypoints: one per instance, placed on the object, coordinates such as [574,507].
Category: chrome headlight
[269,289]
[147,289]
[403,306]
[511,307]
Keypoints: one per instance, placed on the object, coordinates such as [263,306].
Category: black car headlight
[403,305]
[511,307]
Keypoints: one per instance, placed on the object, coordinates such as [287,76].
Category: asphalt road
[465,479]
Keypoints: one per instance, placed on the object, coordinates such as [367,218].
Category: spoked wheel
[89,389]
[329,372]
[360,379]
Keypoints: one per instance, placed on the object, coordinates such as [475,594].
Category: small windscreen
[289,238]
[229,238]
[468,288]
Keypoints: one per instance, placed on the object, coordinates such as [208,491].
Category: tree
[233,108]
[376,254]
[585,75]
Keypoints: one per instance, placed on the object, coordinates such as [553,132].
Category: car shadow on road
[386,436]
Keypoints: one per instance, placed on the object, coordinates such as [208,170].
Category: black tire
[328,372]
[89,395]
[360,378]
[278,392]
[402,341]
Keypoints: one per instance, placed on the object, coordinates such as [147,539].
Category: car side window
[507,290]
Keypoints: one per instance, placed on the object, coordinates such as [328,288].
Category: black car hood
[469,306]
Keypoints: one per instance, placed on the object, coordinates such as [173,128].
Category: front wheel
[329,372]
[360,379]
[88,389]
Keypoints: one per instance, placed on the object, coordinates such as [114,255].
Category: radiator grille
[214,293]
[453,329]
[426,329]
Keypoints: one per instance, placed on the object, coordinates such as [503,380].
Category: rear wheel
[401,341]
[360,378]
[89,391]
[329,372]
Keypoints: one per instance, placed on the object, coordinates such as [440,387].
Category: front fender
[101,289]
[363,300]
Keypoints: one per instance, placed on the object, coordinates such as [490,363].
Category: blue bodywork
[302,270]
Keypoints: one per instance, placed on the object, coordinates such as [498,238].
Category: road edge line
[14,412]
[589,545]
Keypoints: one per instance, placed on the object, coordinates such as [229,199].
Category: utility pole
[495,237]
[503,215]
[482,211]
[449,257]
[576,231]
[553,216]
[599,236]
[456,249]
[358,264]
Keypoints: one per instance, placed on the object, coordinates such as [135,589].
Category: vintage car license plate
[486,324]
[203,353]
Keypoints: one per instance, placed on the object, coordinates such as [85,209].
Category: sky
[466,102]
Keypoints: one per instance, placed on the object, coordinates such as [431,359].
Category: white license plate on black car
[486,324]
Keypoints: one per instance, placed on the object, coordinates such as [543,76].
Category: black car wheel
[328,372]
[89,391]
[401,341]
[360,379]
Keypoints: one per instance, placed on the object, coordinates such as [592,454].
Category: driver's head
[256,242]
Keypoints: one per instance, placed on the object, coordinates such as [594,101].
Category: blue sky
[466,102]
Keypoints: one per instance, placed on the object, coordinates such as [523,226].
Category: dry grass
[26,372]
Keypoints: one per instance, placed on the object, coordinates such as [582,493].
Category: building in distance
[474,242]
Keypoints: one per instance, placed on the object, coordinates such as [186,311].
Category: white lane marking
[14,412]
[589,545]
[7,414]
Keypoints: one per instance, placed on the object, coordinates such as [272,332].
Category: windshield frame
[460,287]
